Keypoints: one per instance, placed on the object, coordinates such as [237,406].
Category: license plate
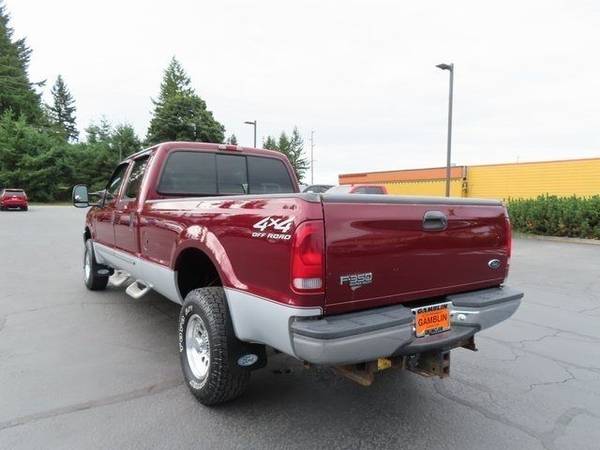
[432,319]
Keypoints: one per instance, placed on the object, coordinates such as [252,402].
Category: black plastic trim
[485,297]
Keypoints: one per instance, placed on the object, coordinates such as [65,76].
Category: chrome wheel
[197,347]
[87,265]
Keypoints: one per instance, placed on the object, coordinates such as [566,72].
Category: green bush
[557,216]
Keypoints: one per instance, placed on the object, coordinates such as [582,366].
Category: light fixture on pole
[450,68]
[254,124]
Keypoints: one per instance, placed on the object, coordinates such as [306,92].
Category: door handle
[435,221]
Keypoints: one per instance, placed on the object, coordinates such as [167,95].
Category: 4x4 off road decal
[281,225]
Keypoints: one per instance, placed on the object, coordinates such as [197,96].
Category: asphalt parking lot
[81,369]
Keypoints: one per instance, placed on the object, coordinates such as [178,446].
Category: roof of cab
[186,145]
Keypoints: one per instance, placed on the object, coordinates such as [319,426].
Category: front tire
[208,348]
[93,276]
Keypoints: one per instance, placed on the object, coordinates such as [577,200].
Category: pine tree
[270,143]
[293,148]
[99,133]
[125,141]
[179,113]
[62,111]
[17,93]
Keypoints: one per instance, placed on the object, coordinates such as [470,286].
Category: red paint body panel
[364,235]
[222,227]
[407,262]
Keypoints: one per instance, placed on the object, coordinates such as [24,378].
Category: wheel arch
[194,269]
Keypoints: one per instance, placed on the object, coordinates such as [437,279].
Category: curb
[563,239]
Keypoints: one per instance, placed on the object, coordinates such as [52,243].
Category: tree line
[42,151]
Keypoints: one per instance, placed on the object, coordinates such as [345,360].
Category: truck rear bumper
[389,331]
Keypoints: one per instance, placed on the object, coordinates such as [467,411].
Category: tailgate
[390,249]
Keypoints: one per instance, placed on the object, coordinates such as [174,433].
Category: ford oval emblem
[247,360]
[494,264]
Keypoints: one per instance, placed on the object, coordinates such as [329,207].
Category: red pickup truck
[360,283]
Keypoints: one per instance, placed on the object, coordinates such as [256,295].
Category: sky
[361,74]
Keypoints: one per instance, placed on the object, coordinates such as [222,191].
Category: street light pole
[254,124]
[449,67]
[312,159]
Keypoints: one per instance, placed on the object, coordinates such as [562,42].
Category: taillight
[508,243]
[308,257]
[508,238]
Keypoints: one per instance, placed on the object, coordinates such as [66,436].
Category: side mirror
[80,196]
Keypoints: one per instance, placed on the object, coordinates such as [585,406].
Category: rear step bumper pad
[389,331]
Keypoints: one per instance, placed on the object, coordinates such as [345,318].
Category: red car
[358,189]
[360,283]
[13,199]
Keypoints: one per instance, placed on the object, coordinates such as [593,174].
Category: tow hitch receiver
[435,363]
[430,364]
[364,373]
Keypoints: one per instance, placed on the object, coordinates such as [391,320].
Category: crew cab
[13,199]
[360,283]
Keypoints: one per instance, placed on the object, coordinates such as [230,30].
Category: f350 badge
[281,226]
[356,280]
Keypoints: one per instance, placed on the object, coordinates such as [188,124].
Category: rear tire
[209,349]
[94,280]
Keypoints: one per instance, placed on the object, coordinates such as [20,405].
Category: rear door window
[191,173]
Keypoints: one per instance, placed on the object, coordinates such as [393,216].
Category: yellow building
[579,177]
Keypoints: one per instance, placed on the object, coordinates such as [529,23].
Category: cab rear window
[203,174]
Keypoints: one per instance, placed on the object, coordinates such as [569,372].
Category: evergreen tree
[179,113]
[17,93]
[62,110]
[125,141]
[99,133]
[232,140]
[270,143]
[293,148]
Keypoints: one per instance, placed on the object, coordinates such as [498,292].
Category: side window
[116,180]
[268,176]
[232,174]
[135,178]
